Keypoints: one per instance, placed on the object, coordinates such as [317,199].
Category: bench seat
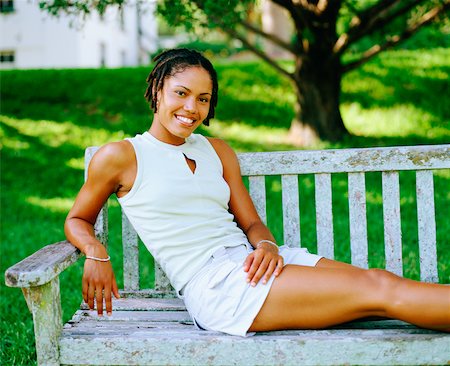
[161,332]
[152,327]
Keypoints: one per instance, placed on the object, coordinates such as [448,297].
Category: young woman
[184,195]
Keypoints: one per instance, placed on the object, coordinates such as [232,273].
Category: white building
[32,38]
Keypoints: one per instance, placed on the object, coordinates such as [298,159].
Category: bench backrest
[355,162]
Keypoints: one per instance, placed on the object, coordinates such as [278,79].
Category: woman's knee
[384,285]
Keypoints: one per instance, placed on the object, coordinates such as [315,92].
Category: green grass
[49,117]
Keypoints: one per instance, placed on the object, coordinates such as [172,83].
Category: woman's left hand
[262,263]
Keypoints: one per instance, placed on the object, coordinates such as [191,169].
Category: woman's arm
[265,260]
[107,174]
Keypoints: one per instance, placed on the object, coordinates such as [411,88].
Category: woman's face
[183,104]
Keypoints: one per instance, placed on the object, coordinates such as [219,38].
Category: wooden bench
[152,327]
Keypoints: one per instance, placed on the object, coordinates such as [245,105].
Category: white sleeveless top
[182,217]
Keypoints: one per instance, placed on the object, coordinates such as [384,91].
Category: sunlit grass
[400,120]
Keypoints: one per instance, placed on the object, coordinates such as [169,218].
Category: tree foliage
[326,33]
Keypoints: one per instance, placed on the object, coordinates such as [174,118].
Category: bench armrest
[43,266]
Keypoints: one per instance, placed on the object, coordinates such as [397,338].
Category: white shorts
[219,298]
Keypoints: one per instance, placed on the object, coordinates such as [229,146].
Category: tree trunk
[317,117]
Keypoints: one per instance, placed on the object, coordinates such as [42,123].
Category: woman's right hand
[98,280]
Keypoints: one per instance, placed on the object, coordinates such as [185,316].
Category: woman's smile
[183,104]
[185,121]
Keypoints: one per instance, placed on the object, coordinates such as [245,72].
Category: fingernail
[253,284]
[264,282]
[248,280]
[100,314]
[109,313]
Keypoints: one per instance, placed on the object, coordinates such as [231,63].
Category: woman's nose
[190,105]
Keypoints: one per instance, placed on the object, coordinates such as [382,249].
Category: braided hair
[171,62]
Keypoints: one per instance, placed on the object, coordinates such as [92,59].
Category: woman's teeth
[185,120]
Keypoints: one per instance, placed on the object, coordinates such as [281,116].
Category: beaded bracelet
[258,245]
[98,259]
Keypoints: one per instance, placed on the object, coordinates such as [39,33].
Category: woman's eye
[180,93]
[204,100]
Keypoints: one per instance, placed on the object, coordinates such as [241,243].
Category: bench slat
[324,215]
[291,212]
[346,160]
[392,227]
[426,226]
[257,188]
[358,220]
[130,255]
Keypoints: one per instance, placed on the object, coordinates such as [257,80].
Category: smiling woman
[185,197]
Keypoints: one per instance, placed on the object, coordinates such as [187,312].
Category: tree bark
[317,80]
[318,84]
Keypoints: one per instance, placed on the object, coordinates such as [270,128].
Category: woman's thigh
[316,297]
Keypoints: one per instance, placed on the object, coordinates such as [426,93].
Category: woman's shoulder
[220,146]
[114,155]
[226,154]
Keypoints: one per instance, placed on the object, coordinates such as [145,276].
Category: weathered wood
[426,226]
[131,315]
[291,210]
[257,190]
[392,227]
[146,304]
[358,220]
[45,305]
[163,337]
[42,266]
[346,160]
[324,215]
[162,283]
[186,346]
[148,293]
[130,255]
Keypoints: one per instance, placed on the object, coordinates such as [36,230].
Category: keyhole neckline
[191,164]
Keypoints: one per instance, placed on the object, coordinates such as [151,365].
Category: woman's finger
[248,262]
[115,289]
[280,266]
[90,295]
[257,259]
[99,298]
[270,269]
[84,289]
[108,303]
[262,268]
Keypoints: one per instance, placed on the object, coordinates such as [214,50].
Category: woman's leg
[332,293]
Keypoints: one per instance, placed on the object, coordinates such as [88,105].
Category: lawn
[49,117]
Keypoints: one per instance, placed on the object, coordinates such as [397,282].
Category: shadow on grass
[397,87]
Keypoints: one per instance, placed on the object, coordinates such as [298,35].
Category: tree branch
[317,9]
[394,40]
[274,39]
[256,51]
[382,19]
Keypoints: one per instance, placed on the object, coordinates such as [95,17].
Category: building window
[122,19]
[6,6]
[102,54]
[7,57]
